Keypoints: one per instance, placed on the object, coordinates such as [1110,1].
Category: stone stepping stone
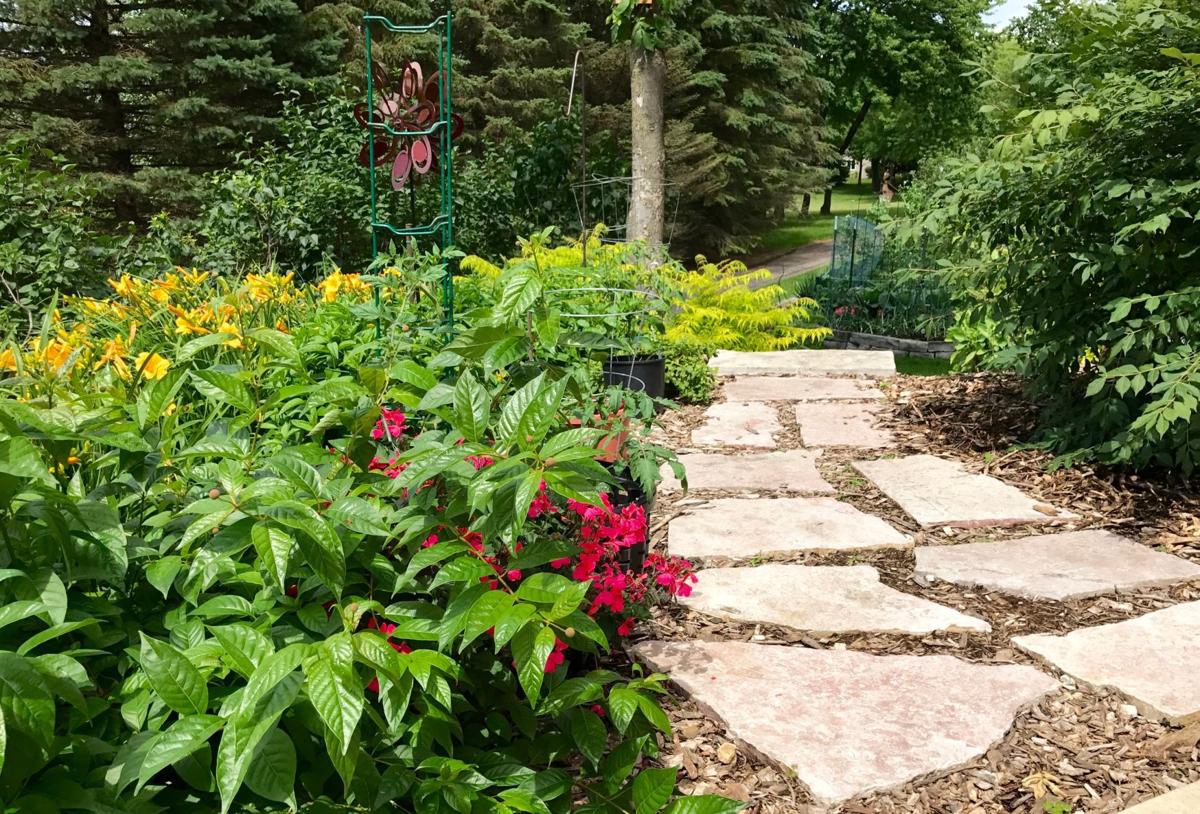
[841,425]
[744,528]
[1070,565]
[822,599]
[1184,800]
[850,723]
[800,388]
[793,470]
[804,363]
[939,492]
[1153,659]
[738,424]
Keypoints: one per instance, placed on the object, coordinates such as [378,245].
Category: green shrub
[1075,235]
[236,575]
[689,378]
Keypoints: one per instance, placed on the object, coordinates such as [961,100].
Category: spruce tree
[143,96]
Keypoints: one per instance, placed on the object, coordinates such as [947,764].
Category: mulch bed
[1085,747]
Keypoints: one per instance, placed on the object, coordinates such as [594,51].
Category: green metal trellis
[440,228]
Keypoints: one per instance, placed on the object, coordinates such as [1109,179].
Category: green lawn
[920,366]
[796,231]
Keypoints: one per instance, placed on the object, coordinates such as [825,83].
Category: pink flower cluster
[390,424]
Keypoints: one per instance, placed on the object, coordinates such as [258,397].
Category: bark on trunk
[806,205]
[859,118]
[647,198]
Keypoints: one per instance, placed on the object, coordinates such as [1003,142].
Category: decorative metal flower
[410,105]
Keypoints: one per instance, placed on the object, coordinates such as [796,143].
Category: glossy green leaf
[174,678]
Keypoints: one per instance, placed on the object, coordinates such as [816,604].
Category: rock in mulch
[939,492]
[740,529]
[841,425]
[738,424]
[790,470]
[823,599]
[804,363]
[800,388]
[849,723]
[1153,659]
[1181,801]
[1072,565]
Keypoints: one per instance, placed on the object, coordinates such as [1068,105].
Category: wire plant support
[411,127]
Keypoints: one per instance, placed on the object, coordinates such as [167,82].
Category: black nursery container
[645,374]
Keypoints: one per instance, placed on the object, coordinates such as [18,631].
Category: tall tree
[144,94]
[906,55]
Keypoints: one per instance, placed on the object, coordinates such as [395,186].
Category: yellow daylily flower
[152,366]
[114,354]
[234,332]
[184,325]
[8,359]
[193,278]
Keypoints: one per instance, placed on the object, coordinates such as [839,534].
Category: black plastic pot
[627,492]
[646,374]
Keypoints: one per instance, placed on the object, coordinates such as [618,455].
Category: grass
[797,231]
[921,366]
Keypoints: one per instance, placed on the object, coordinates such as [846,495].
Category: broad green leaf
[704,804]
[318,543]
[244,647]
[25,701]
[173,677]
[14,612]
[359,514]
[622,706]
[272,772]
[161,573]
[652,788]
[239,743]
[271,670]
[43,636]
[589,734]
[472,406]
[181,739]
[223,387]
[299,473]
[333,687]
[531,649]
[274,548]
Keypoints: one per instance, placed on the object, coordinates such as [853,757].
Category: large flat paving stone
[804,363]
[1070,565]
[850,723]
[793,470]
[1184,800]
[738,424]
[743,528]
[1154,659]
[939,492]
[822,599]
[800,388]
[841,425]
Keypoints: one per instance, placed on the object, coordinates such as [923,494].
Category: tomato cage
[411,126]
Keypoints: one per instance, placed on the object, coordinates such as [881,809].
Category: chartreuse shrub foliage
[1074,240]
[260,550]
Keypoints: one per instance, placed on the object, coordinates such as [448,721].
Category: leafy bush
[48,236]
[892,303]
[719,306]
[1075,235]
[689,378]
[262,550]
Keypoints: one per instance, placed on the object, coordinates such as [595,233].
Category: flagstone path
[765,468]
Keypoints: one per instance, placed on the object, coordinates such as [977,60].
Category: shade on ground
[841,425]
[793,470]
[738,424]
[800,388]
[1070,565]
[1153,659]
[1185,800]
[939,492]
[740,529]
[804,363]
[823,599]
[850,723]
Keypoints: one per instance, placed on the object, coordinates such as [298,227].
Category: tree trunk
[859,118]
[647,198]
[806,205]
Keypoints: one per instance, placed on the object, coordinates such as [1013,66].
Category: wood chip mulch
[1084,748]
